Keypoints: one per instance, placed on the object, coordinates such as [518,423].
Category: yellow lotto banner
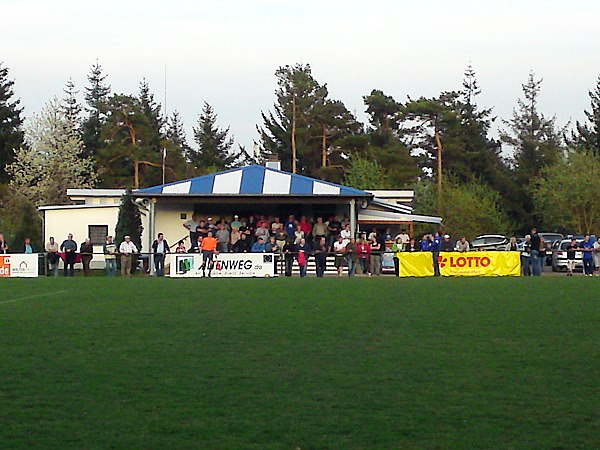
[466,264]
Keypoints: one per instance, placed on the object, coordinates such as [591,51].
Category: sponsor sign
[420,264]
[225,265]
[19,266]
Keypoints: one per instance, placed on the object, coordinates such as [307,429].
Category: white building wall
[58,223]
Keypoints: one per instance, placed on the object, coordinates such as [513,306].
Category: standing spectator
[27,247]
[306,227]
[196,247]
[210,226]
[425,243]
[542,255]
[346,234]
[236,224]
[412,246]
[351,257]
[127,249]
[597,254]
[276,227]
[160,247]
[298,235]
[340,250]
[251,226]
[243,245]
[587,247]
[110,256]
[396,249]
[447,244]
[87,253]
[321,256]
[436,246]
[290,226]
[319,230]
[52,250]
[262,231]
[462,245]
[512,245]
[377,248]
[288,250]
[3,245]
[234,237]
[180,247]
[273,247]
[302,250]
[334,227]
[364,255]
[209,249]
[534,253]
[404,238]
[526,256]
[69,246]
[571,250]
[191,226]
[259,246]
[223,237]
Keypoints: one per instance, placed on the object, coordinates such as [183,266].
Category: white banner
[225,265]
[19,265]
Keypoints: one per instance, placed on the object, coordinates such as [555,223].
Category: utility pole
[293,132]
[438,142]
[164,155]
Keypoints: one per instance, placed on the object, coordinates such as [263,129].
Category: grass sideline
[300,363]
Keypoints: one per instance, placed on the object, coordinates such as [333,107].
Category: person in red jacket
[364,253]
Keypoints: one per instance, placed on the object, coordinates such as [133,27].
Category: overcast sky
[226,52]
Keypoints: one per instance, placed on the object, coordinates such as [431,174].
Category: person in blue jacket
[259,246]
[587,248]
[436,247]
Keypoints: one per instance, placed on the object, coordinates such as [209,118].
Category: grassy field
[300,363]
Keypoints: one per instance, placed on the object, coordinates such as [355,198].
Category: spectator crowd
[295,241]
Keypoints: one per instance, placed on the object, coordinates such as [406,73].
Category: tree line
[533,172]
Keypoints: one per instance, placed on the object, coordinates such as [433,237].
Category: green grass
[290,363]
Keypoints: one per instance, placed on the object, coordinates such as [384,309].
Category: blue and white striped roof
[253,180]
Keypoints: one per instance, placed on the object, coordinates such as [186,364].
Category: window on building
[97,234]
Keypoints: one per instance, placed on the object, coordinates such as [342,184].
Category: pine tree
[305,125]
[214,144]
[96,96]
[126,158]
[11,135]
[70,106]
[52,159]
[536,143]
[588,134]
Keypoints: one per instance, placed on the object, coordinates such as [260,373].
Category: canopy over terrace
[251,189]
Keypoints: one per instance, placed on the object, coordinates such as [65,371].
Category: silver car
[489,242]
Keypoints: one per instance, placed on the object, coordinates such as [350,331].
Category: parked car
[559,256]
[550,239]
[489,242]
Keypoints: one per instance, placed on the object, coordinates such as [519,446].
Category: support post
[152,226]
[353,216]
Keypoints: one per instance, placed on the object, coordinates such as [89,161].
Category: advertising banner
[19,265]
[225,265]
[467,264]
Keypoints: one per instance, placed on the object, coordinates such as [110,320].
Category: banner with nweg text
[467,264]
[226,265]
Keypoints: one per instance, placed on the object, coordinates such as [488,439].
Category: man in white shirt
[404,238]
[126,249]
[346,234]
